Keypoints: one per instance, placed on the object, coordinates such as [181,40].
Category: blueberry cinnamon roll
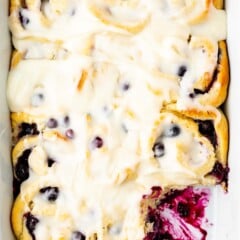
[189,147]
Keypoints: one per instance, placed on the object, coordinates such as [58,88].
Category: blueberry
[50,192]
[198,91]
[52,123]
[16,187]
[28,129]
[70,134]
[124,128]
[158,149]
[181,71]
[126,87]
[31,222]
[22,171]
[183,209]
[151,218]
[78,236]
[66,120]
[206,128]
[22,167]
[191,95]
[37,99]
[97,142]
[50,162]
[40,96]
[163,236]
[23,19]
[73,12]
[220,172]
[172,131]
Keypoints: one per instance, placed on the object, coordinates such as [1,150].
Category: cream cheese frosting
[111,67]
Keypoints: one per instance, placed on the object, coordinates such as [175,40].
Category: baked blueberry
[78,236]
[220,172]
[22,167]
[126,87]
[151,218]
[50,192]
[37,99]
[173,131]
[52,123]
[66,120]
[27,129]
[70,134]
[31,222]
[189,204]
[206,128]
[183,209]
[50,162]
[23,19]
[195,93]
[198,91]
[163,236]
[16,187]
[73,12]
[191,95]
[97,142]
[158,149]
[182,70]
[124,128]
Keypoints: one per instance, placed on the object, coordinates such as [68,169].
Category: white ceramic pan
[224,209]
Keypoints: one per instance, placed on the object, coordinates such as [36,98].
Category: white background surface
[224,210]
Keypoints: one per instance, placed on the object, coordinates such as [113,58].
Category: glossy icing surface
[109,70]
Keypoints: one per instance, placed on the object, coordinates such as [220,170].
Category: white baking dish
[224,209]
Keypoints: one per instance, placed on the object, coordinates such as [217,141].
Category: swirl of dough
[178,146]
[26,125]
[212,124]
[185,11]
[37,210]
[214,90]
[127,15]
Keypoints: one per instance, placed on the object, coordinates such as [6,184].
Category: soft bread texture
[26,203]
[217,89]
[132,22]
[217,152]
[109,99]
[18,118]
[220,125]
[106,39]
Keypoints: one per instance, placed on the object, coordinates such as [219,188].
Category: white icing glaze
[101,188]
[101,108]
